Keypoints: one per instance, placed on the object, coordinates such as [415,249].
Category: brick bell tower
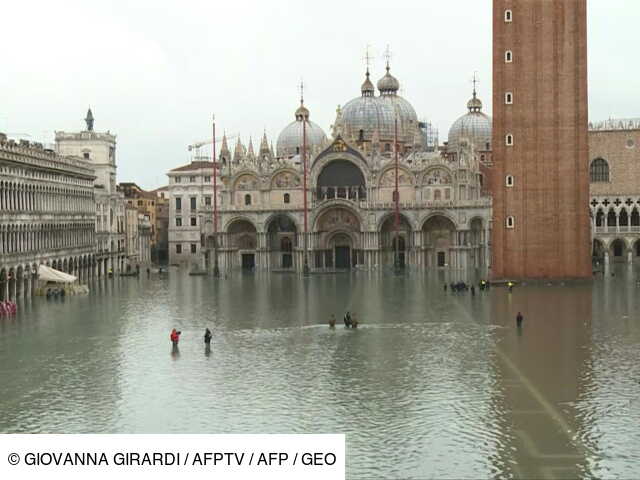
[540,181]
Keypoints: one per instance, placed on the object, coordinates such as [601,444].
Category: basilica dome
[290,139]
[364,115]
[475,126]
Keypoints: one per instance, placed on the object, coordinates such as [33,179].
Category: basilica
[350,217]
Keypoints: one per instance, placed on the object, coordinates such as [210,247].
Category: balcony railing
[618,229]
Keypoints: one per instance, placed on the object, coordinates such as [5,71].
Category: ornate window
[287,198]
[247,199]
[599,170]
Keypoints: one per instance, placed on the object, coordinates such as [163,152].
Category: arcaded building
[540,151]
[614,175]
[47,215]
[443,216]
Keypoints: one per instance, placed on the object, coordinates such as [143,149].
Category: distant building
[614,174]
[160,254]
[47,215]
[146,204]
[189,189]
[99,151]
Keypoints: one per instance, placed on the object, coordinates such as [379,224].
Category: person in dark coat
[207,337]
[519,319]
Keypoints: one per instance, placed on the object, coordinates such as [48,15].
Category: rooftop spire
[302,113]
[474,105]
[367,88]
[89,120]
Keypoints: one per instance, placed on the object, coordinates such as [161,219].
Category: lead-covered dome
[290,139]
[475,127]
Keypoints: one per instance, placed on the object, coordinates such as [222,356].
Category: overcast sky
[153,71]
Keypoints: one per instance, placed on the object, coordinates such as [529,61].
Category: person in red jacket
[175,337]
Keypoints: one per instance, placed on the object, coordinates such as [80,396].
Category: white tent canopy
[48,274]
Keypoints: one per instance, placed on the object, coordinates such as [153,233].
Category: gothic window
[599,170]
[247,199]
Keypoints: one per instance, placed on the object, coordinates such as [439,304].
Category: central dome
[364,115]
[290,139]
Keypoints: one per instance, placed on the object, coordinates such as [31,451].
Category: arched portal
[242,238]
[597,252]
[338,234]
[4,286]
[394,244]
[12,284]
[341,179]
[438,239]
[618,250]
[281,239]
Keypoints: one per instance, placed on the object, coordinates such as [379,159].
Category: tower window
[508,98]
[508,14]
[510,222]
[509,181]
[287,198]
[508,56]
[508,140]
[247,199]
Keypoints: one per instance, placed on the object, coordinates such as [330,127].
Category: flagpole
[305,268]
[396,195]
[216,269]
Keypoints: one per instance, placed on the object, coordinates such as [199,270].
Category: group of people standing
[350,321]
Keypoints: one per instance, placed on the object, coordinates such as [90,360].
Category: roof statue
[89,120]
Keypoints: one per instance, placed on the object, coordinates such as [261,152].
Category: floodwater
[432,385]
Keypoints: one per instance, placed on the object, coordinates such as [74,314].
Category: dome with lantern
[474,126]
[290,139]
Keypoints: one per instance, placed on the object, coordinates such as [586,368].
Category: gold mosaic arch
[388,178]
[246,181]
[337,218]
[285,179]
[437,176]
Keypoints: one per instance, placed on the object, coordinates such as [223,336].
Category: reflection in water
[431,384]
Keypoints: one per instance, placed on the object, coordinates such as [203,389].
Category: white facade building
[98,149]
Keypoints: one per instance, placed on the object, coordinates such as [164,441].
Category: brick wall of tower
[549,156]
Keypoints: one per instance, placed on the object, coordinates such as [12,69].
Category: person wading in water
[519,319]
